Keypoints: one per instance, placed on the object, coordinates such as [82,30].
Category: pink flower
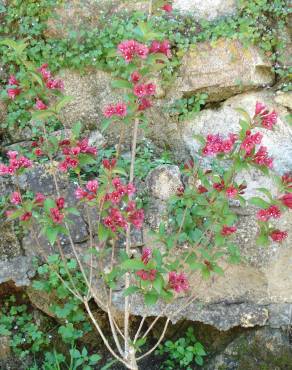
[151,89]
[136,218]
[26,216]
[38,152]
[39,198]
[274,211]
[268,119]
[216,145]
[167,8]
[12,93]
[12,154]
[278,235]
[55,84]
[92,186]
[263,215]
[161,47]
[228,230]
[60,202]
[219,186]
[13,81]
[146,255]
[286,199]
[109,111]
[131,48]
[131,188]
[262,159]
[140,90]
[135,77]
[121,110]
[75,151]
[115,220]
[56,215]
[109,164]
[15,198]
[46,74]
[40,105]
[144,104]
[80,193]
[147,275]
[231,192]
[178,282]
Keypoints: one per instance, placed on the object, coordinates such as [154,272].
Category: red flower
[151,89]
[286,199]
[278,235]
[160,47]
[13,81]
[92,186]
[46,74]
[231,192]
[121,110]
[228,230]
[140,90]
[263,215]
[131,48]
[109,164]
[178,282]
[146,255]
[15,198]
[262,159]
[219,186]
[26,216]
[135,77]
[147,275]
[167,8]
[56,215]
[12,93]
[38,152]
[202,189]
[80,193]
[144,104]
[60,202]
[39,198]
[268,120]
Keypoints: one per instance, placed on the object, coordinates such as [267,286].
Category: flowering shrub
[201,211]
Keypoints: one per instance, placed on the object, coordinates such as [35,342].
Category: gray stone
[223,69]
[209,9]
[163,181]
[19,269]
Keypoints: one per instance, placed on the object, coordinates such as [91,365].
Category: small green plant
[186,108]
[183,353]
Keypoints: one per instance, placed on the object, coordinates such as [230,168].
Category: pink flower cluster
[51,83]
[16,163]
[251,141]
[71,152]
[216,145]
[109,164]
[147,275]
[131,48]
[178,282]
[13,87]
[271,212]
[120,191]
[144,90]
[228,230]
[167,8]
[286,199]
[89,193]
[160,47]
[56,215]
[262,158]
[135,216]
[15,198]
[115,220]
[268,119]
[278,235]
[118,110]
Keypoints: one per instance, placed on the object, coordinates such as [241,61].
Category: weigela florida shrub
[202,214]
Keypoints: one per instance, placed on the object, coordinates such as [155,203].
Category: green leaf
[158,284]
[103,233]
[121,84]
[76,129]
[48,204]
[259,202]
[61,104]
[42,114]
[150,298]
[105,124]
[94,359]
[131,290]
[133,265]
[51,234]
[85,159]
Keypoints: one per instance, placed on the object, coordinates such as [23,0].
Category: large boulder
[223,69]
[208,9]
